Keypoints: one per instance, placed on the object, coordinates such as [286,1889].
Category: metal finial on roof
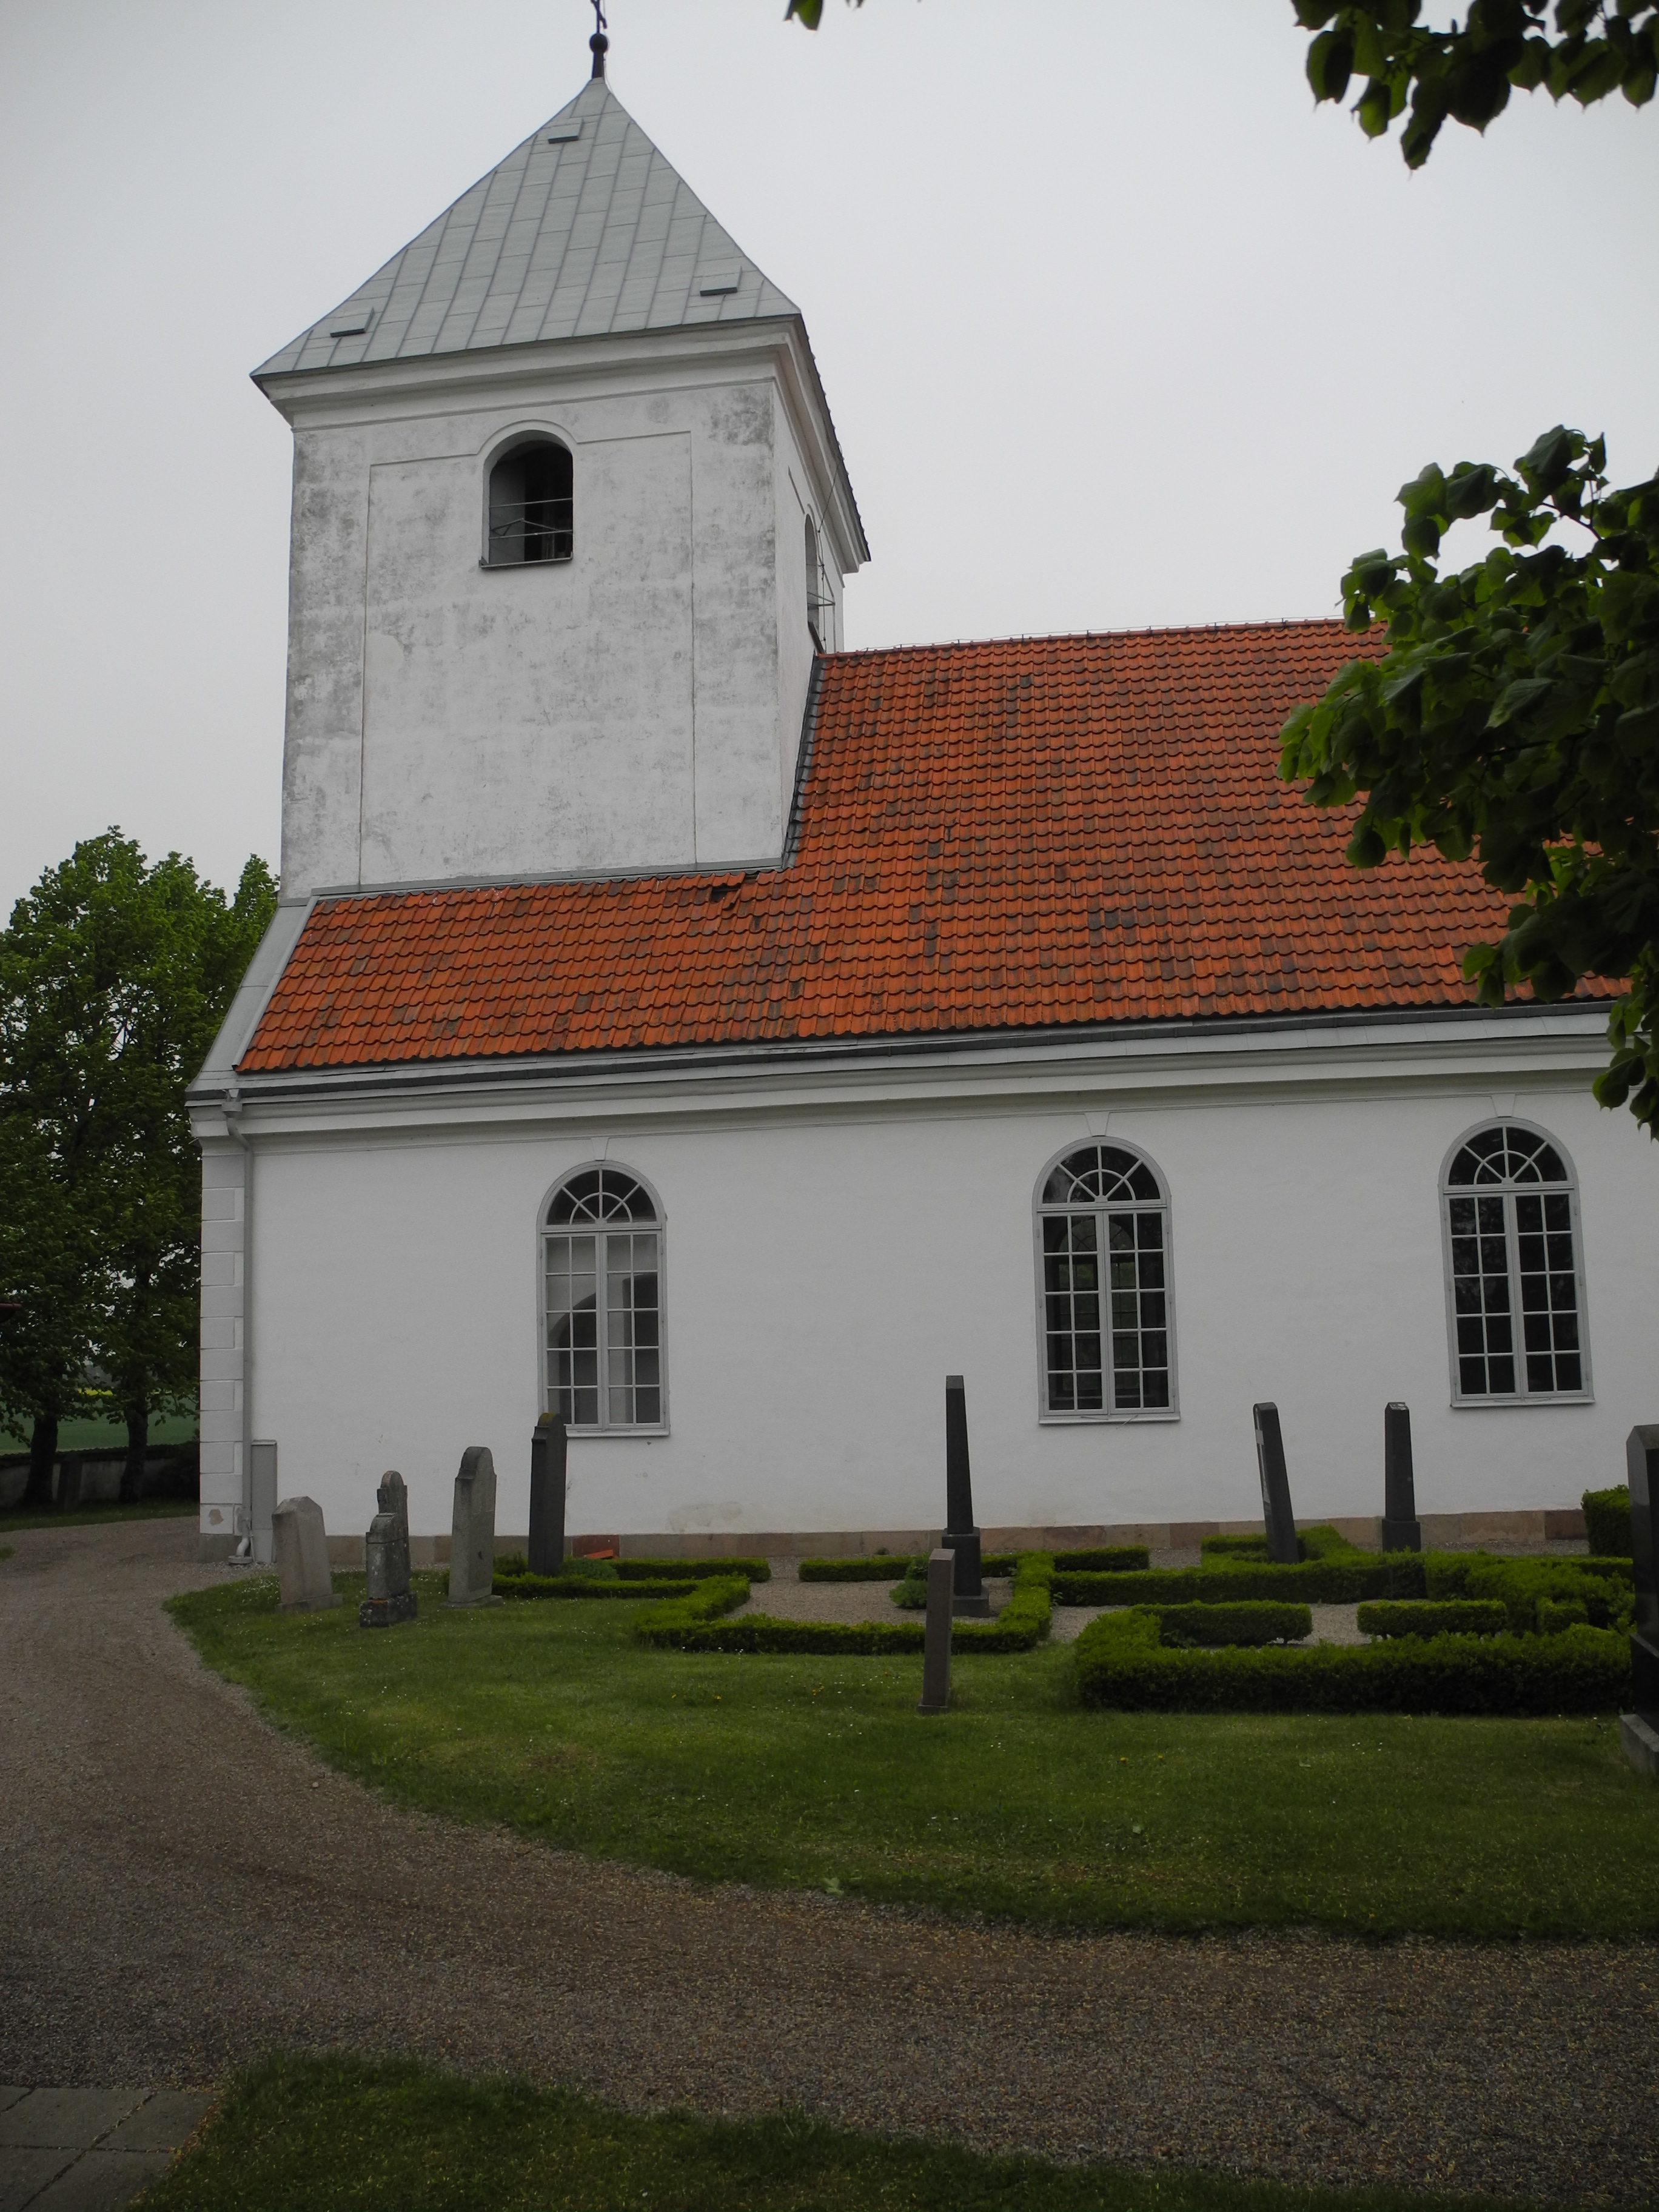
[599,43]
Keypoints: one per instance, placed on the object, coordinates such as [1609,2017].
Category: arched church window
[531,505]
[602,1281]
[1105,1319]
[1516,1285]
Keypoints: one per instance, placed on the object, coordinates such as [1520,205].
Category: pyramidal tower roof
[583,231]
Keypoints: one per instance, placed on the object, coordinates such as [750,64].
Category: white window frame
[544,1390]
[1066,1417]
[1469,1400]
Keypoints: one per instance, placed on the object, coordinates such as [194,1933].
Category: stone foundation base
[1441,1532]
[386,1611]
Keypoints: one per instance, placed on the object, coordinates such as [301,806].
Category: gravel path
[184,1889]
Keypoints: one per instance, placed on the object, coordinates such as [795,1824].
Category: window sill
[517,568]
[1114,1419]
[1523,1398]
[598,1435]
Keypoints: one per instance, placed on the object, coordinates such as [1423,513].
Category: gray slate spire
[583,231]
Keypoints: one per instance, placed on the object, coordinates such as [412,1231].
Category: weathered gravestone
[1402,1530]
[961,1537]
[936,1648]
[472,1532]
[1639,1730]
[550,1450]
[386,1556]
[1276,1512]
[300,1543]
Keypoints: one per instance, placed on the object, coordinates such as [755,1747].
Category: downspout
[242,1551]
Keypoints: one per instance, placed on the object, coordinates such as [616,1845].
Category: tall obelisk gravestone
[1277,1517]
[1402,1530]
[550,1450]
[961,1537]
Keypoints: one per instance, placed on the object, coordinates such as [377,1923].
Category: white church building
[675,1019]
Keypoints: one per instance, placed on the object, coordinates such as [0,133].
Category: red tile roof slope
[1030,832]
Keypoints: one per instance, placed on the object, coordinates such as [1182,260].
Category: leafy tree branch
[1515,717]
[1467,72]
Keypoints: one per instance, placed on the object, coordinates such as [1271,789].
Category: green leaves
[1467,72]
[1515,717]
[114,975]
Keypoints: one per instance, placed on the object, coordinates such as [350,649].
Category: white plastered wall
[224,1314]
[825,1269]
[638,706]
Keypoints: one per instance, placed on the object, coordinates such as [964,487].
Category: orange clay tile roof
[1027,833]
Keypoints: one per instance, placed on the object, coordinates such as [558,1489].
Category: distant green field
[106,1436]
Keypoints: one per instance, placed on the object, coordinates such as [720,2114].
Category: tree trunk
[43,1450]
[132,1474]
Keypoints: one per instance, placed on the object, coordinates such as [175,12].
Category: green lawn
[96,1435]
[84,1517]
[802,1772]
[297,2134]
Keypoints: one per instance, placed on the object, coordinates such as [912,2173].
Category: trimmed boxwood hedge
[693,1624]
[647,1569]
[1106,1558]
[1255,1621]
[1451,1616]
[1313,1581]
[1121,1664]
[1606,1521]
[1605,1589]
[586,1586]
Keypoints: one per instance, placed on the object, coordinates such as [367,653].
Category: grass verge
[296,2134]
[791,1771]
[87,1517]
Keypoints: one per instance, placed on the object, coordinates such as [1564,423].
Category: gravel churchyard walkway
[187,1889]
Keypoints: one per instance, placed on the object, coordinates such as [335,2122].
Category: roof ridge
[1275,622]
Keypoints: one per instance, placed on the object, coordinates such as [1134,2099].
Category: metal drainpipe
[242,1551]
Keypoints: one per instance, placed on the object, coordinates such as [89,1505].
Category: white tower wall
[638,706]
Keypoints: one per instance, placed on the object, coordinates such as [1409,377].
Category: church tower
[570,524]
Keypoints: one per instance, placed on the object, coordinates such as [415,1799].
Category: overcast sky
[1116,329]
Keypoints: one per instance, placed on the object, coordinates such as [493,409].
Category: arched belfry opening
[531,505]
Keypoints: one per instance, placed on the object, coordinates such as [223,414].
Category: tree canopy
[1515,717]
[1467,72]
[114,977]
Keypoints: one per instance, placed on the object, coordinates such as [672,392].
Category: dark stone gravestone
[472,1532]
[1402,1530]
[961,1537]
[935,1649]
[1639,1730]
[1276,1514]
[549,1451]
[68,1483]
[386,1556]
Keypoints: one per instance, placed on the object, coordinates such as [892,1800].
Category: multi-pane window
[1516,1317]
[602,1262]
[1103,1223]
